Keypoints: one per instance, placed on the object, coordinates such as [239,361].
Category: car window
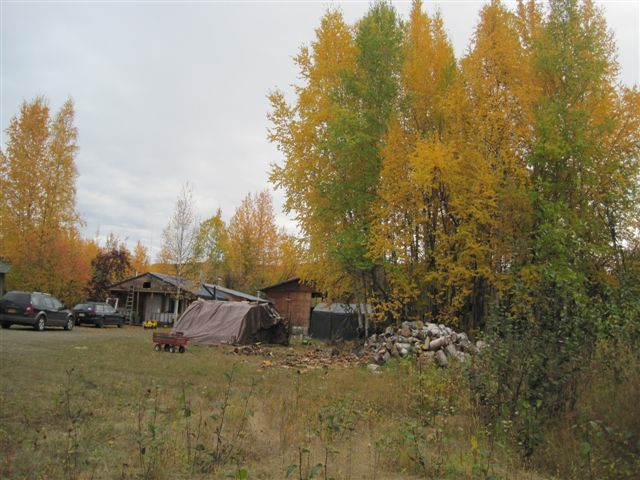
[21,298]
[48,301]
[38,301]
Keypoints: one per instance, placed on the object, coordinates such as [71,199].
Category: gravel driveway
[20,339]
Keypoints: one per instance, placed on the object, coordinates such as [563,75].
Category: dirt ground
[56,342]
[21,335]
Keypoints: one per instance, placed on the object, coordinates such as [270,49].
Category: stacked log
[438,343]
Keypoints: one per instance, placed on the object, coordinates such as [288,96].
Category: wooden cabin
[152,296]
[293,299]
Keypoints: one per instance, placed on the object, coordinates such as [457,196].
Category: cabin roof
[296,280]
[204,290]
[207,289]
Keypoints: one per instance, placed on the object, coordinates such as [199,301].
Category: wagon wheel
[181,349]
[157,347]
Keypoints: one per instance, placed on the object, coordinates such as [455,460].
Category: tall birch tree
[179,239]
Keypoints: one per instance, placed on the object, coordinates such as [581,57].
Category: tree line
[247,253]
[436,186]
[497,191]
[40,225]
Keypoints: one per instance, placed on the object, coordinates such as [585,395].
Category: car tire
[41,322]
[100,323]
[69,325]
[6,325]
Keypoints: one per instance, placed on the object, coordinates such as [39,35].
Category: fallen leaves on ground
[303,358]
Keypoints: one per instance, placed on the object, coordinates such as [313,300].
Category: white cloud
[168,92]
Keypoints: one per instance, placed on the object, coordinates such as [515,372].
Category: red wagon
[169,342]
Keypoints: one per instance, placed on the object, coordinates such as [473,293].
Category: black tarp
[334,321]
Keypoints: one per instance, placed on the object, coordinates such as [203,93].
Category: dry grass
[601,439]
[102,404]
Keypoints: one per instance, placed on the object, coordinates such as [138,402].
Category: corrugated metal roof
[206,293]
[291,280]
[309,287]
[172,279]
[203,290]
[342,307]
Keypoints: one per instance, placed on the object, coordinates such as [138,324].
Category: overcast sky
[169,92]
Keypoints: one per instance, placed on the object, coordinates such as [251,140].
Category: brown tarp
[211,322]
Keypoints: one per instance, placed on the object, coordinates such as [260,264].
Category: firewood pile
[432,342]
[437,343]
[324,358]
[306,359]
[252,349]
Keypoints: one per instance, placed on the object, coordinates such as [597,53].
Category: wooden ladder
[129,303]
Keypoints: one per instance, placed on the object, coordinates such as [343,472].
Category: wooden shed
[293,299]
[152,296]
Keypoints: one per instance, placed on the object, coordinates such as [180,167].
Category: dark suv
[98,314]
[38,310]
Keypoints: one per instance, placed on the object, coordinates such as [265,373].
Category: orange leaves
[300,130]
[446,157]
[256,252]
[60,264]
[334,51]
[501,91]
[39,221]
[429,65]
[432,163]
[140,259]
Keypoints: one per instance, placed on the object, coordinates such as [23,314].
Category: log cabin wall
[293,300]
[293,306]
[153,298]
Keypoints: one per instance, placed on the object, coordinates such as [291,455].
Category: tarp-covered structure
[212,322]
[336,321]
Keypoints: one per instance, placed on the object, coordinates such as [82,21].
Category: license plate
[81,314]
[12,310]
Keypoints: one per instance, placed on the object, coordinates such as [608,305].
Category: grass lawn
[101,403]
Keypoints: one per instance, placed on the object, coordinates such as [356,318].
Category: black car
[98,314]
[38,310]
